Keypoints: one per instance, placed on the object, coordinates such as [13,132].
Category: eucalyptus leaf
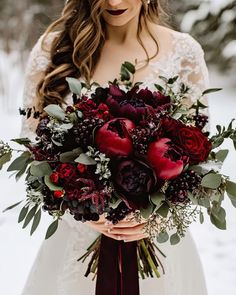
[52,229]
[4,159]
[51,185]
[217,217]
[12,206]
[146,212]
[40,168]
[23,213]
[231,189]
[163,210]
[130,67]
[211,180]
[66,126]
[36,221]
[70,156]
[205,202]
[22,171]
[222,155]
[162,237]
[56,142]
[30,216]
[157,198]
[201,217]
[85,160]
[19,162]
[22,141]
[74,85]
[55,111]
[174,239]
[211,90]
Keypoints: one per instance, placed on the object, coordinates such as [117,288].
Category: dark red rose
[66,171]
[113,138]
[165,159]
[58,194]
[190,139]
[103,112]
[134,180]
[54,177]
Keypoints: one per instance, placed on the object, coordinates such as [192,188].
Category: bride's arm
[36,65]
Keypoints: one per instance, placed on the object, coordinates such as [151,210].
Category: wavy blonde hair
[80,37]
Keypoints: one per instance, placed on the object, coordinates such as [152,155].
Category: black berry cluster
[118,214]
[178,189]
[200,121]
[83,131]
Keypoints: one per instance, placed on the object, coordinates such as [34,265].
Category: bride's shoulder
[181,42]
[39,56]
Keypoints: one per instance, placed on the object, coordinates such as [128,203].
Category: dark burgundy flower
[166,159]
[155,99]
[113,138]
[66,172]
[133,179]
[191,140]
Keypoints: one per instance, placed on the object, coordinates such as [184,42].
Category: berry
[200,121]
[178,188]
[118,214]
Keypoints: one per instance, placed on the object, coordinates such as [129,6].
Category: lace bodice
[185,58]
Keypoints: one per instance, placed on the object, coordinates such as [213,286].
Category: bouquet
[125,150]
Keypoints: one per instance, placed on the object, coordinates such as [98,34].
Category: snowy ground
[217,248]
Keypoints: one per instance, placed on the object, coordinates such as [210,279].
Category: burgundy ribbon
[117,268]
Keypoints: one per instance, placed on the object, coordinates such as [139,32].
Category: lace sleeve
[194,72]
[35,67]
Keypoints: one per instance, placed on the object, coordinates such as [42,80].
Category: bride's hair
[77,45]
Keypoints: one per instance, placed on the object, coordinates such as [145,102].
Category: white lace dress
[56,270]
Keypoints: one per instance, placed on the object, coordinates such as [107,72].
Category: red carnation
[66,171]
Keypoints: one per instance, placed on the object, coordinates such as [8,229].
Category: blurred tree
[213,24]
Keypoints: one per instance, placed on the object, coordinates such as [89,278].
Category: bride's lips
[116,12]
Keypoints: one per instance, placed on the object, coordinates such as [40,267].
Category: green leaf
[173,80]
[163,78]
[157,198]
[159,88]
[12,206]
[74,85]
[162,237]
[19,162]
[52,229]
[163,210]
[30,216]
[36,221]
[130,67]
[222,155]
[231,189]
[146,212]
[211,90]
[205,202]
[86,160]
[174,239]
[70,156]
[55,111]
[211,180]
[5,158]
[23,213]
[201,217]
[22,171]
[51,185]
[125,75]
[217,217]
[22,141]
[40,168]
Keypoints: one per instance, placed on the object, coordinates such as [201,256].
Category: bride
[90,41]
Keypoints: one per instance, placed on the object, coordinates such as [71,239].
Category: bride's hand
[125,230]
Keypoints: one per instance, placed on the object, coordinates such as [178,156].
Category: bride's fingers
[128,224]
[112,236]
[134,238]
[138,229]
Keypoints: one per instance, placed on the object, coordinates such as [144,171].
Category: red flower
[165,159]
[113,138]
[58,194]
[190,139]
[54,177]
[81,168]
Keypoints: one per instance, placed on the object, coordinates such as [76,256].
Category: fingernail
[109,230]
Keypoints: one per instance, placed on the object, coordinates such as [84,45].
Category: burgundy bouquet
[124,150]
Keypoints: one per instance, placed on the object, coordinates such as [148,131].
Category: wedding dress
[56,270]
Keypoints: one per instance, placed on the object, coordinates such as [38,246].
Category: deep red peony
[165,159]
[113,138]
